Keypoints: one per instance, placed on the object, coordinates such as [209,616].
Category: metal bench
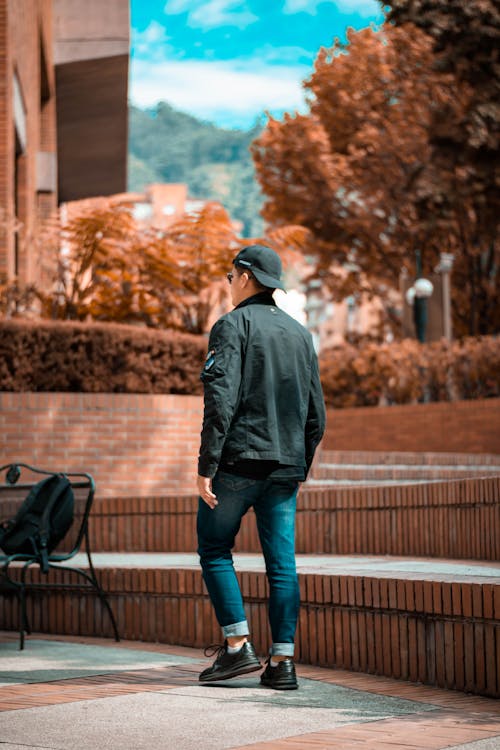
[14,579]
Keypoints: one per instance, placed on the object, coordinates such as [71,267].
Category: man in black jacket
[263,419]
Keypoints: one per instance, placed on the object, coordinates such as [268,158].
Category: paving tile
[408,716]
[411,733]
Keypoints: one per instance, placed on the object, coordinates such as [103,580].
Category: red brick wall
[443,633]
[139,445]
[133,445]
[449,519]
[6,170]
[459,426]
[453,519]
[23,26]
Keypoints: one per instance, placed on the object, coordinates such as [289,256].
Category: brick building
[162,204]
[63,116]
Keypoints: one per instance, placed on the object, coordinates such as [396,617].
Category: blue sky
[227,61]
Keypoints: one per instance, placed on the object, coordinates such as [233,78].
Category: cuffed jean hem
[282,649]
[237,628]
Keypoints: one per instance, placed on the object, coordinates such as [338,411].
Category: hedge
[109,358]
[408,372]
[98,358]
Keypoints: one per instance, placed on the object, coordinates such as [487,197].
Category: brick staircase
[350,468]
[398,565]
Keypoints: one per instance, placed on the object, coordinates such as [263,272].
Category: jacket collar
[262,298]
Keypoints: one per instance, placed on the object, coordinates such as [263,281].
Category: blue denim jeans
[274,504]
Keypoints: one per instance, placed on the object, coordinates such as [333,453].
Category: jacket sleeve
[221,378]
[316,415]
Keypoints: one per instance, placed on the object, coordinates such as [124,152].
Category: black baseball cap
[263,263]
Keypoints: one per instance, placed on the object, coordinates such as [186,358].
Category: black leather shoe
[281,677]
[230,665]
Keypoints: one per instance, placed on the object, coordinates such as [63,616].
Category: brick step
[451,519]
[455,519]
[393,458]
[367,472]
[326,483]
[428,621]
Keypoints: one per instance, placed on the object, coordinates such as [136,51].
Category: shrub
[98,358]
[407,372]
[476,368]
[111,358]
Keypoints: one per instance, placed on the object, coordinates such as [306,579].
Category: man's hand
[205,491]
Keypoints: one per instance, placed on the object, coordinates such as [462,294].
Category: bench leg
[100,592]
[22,616]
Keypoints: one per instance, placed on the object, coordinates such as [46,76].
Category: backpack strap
[60,487]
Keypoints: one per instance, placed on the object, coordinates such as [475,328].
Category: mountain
[166,145]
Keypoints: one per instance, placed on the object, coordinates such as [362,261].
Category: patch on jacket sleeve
[210,360]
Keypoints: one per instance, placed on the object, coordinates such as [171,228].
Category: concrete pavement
[85,693]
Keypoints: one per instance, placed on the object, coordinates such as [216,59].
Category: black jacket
[263,397]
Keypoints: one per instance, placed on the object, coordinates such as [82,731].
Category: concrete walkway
[432,569]
[83,694]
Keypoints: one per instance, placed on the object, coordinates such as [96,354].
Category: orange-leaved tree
[204,243]
[93,268]
[110,269]
[351,171]
[459,188]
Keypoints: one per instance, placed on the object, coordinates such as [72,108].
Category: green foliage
[170,146]
[140,173]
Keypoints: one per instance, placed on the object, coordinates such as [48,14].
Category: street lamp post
[314,309]
[444,268]
[417,296]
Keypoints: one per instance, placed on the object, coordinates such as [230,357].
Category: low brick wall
[458,426]
[443,633]
[452,519]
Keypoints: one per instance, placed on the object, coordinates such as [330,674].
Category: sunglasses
[230,276]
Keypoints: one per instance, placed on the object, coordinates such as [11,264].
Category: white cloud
[296,6]
[231,94]
[362,7]
[210,14]
[270,53]
[154,37]
[177,6]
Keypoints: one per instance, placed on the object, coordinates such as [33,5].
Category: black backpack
[42,521]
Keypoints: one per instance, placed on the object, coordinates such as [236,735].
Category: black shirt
[255,469]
